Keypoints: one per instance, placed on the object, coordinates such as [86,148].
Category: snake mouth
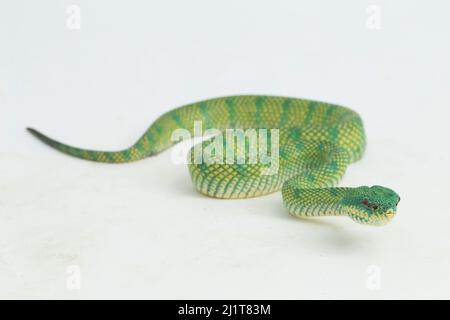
[390,214]
[384,218]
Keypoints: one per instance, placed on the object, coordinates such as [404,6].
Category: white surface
[140,230]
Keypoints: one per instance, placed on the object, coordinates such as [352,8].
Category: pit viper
[315,142]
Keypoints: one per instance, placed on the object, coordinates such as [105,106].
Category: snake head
[374,206]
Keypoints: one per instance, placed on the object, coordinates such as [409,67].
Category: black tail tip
[34,132]
[31,130]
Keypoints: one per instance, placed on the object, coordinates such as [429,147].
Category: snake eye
[365,202]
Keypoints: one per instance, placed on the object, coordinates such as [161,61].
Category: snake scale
[316,142]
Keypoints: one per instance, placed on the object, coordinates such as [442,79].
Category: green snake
[315,142]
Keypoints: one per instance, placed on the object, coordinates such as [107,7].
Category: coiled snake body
[315,143]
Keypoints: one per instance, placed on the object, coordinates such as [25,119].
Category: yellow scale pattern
[317,141]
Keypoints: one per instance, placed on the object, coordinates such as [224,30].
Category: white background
[140,230]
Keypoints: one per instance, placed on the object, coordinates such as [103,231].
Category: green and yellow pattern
[317,141]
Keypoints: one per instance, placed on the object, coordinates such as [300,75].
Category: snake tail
[131,154]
